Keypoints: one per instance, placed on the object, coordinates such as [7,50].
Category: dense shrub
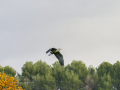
[8,83]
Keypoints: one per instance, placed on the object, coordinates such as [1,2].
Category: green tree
[71,81]
[106,83]
[66,80]
[44,82]
[91,70]
[9,71]
[79,68]
[1,69]
[58,72]
[26,86]
[104,67]
[28,70]
[92,79]
[116,75]
[41,68]
[20,77]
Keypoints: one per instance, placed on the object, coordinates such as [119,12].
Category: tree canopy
[74,76]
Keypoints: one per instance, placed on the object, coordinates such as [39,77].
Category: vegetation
[8,83]
[74,76]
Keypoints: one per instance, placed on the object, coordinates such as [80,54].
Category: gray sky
[87,30]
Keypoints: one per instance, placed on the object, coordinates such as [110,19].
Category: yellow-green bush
[8,83]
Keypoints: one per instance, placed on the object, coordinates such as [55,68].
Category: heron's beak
[60,49]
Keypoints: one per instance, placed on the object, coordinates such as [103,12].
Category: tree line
[74,76]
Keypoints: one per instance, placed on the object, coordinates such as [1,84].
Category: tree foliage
[9,71]
[92,79]
[79,68]
[71,81]
[44,82]
[116,75]
[28,70]
[1,69]
[8,83]
[106,82]
[41,68]
[90,84]
[103,68]
[65,80]
[74,76]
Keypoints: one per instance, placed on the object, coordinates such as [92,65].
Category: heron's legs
[49,54]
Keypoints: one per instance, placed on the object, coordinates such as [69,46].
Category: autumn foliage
[8,83]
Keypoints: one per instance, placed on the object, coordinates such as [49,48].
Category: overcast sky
[87,30]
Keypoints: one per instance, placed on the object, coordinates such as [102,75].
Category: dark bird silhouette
[58,55]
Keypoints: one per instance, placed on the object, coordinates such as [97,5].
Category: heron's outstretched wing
[49,50]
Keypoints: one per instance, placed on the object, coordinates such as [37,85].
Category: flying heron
[58,55]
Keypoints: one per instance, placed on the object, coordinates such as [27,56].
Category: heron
[58,55]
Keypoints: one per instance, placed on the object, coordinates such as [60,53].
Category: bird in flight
[58,55]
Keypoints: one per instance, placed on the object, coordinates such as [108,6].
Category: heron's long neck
[57,50]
